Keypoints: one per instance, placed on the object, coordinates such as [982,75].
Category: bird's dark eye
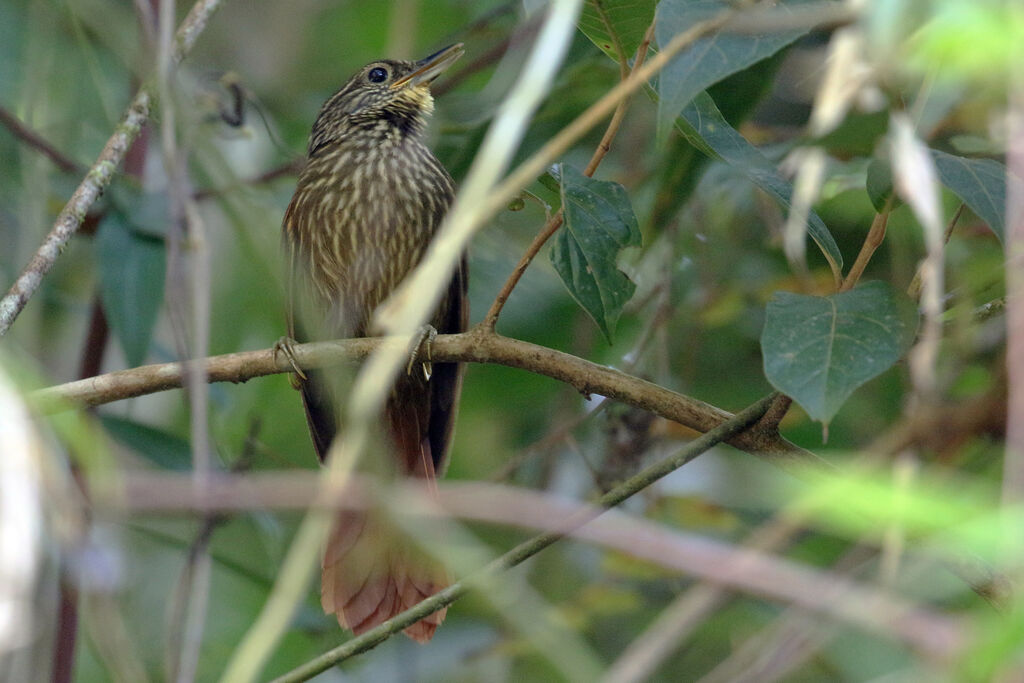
[378,74]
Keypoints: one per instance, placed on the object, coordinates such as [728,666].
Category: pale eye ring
[377,74]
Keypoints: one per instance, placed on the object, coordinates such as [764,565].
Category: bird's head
[387,97]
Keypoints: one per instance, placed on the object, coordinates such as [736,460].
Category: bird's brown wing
[446,382]
[300,301]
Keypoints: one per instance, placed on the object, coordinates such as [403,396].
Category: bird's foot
[286,347]
[423,339]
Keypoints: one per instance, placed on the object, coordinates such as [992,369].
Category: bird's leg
[423,338]
[286,347]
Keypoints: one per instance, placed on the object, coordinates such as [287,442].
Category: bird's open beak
[430,68]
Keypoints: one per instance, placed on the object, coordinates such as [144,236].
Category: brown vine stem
[552,226]
[477,346]
[37,142]
[99,175]
[873,240]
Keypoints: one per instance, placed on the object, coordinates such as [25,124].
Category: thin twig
[66,638]
[37,142]
[188,287]
[876,233]
[555,222]
[292,167]
[914,289]
[98,177]
[197,565]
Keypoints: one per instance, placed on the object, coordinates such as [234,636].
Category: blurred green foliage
[710,198]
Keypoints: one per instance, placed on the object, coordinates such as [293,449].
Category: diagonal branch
[38,142]
[98,177]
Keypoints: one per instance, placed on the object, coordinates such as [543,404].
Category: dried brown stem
[555,222]
[876,233]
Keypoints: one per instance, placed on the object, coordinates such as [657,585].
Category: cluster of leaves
[817,350]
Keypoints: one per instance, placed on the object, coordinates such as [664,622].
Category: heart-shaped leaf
[980,183]
[599,223]
[819,349]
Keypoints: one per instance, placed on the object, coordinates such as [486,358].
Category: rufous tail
[370,576]
[371,573]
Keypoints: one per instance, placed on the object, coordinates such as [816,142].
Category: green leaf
[706,129]
[132,266]
[980,183]
[879,184]
[819,349]
[159,447]
[148,211]
[616,26]
[599,223]
[710,59]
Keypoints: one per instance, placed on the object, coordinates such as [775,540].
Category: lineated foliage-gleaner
[367,204]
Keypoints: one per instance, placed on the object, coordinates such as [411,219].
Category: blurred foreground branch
[529,548]
[745,568]
[935,635]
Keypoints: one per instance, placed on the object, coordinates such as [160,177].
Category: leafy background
[695,305]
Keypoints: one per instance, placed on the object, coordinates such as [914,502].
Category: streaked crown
[384,99]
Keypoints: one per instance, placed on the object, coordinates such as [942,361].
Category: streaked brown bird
[367,204]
